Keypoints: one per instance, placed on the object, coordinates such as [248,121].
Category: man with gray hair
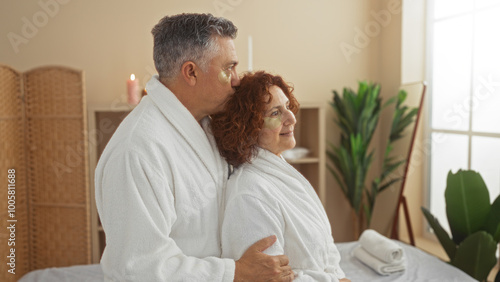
[160,180]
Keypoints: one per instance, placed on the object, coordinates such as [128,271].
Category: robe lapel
[185,124]
[285,173]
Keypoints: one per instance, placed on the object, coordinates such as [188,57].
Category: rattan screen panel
[60,246]
[44,137]
[13,157]
[57,167]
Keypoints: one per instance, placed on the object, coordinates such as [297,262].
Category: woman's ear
[189,72]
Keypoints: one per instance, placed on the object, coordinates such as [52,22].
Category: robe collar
[184,122]
[277,167]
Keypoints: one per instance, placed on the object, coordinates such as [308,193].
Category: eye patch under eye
[273,122]
[224,76]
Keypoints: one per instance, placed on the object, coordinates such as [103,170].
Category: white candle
[250,53]
[133,90]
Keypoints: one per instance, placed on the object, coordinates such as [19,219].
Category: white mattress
[420,267]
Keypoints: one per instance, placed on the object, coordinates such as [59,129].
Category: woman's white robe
[270,197]
[159,186]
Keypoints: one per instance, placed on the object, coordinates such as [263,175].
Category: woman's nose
[289,118]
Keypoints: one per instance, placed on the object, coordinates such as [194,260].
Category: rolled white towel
[381,247]
[374,263]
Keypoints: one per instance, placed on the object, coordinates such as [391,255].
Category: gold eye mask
[224,77]
[273,122]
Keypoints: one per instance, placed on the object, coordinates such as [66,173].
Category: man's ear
[189,72]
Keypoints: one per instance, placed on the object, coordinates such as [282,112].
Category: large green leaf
[492,225]
[476,255]
[467,203]
[443,237]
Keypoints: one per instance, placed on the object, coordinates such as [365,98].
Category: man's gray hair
[187,37]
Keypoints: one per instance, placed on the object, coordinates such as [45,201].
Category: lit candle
[250,53]
[133,90]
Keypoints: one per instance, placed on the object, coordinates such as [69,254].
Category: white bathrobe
[270,197]
[159,186]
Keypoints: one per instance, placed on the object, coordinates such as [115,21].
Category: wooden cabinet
[309,133]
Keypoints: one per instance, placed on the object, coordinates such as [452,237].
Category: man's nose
[235,80]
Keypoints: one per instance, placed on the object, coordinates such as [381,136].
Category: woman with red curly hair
[265,195]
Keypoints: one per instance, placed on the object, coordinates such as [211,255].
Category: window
[464,91]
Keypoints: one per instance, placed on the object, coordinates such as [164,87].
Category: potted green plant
[357,115]
[473,221]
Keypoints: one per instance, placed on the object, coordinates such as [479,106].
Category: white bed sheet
[420,267]
[76,273]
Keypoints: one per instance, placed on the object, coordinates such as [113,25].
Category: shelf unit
[102,123]
[309,133]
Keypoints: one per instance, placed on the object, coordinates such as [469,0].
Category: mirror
[393,199]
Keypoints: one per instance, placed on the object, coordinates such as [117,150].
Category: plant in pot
[474,224]
[357,115]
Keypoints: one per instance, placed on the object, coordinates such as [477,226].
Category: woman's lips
[287,134]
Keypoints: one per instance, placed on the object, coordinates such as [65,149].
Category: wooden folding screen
[44,137]
[12,151]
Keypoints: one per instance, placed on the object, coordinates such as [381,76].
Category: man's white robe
[270,197]
[159,187]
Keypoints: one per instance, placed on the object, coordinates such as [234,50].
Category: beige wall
[388,71]
[300,40]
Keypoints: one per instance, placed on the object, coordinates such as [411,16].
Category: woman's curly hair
[236,129]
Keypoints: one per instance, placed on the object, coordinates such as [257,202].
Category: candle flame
[132,77]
